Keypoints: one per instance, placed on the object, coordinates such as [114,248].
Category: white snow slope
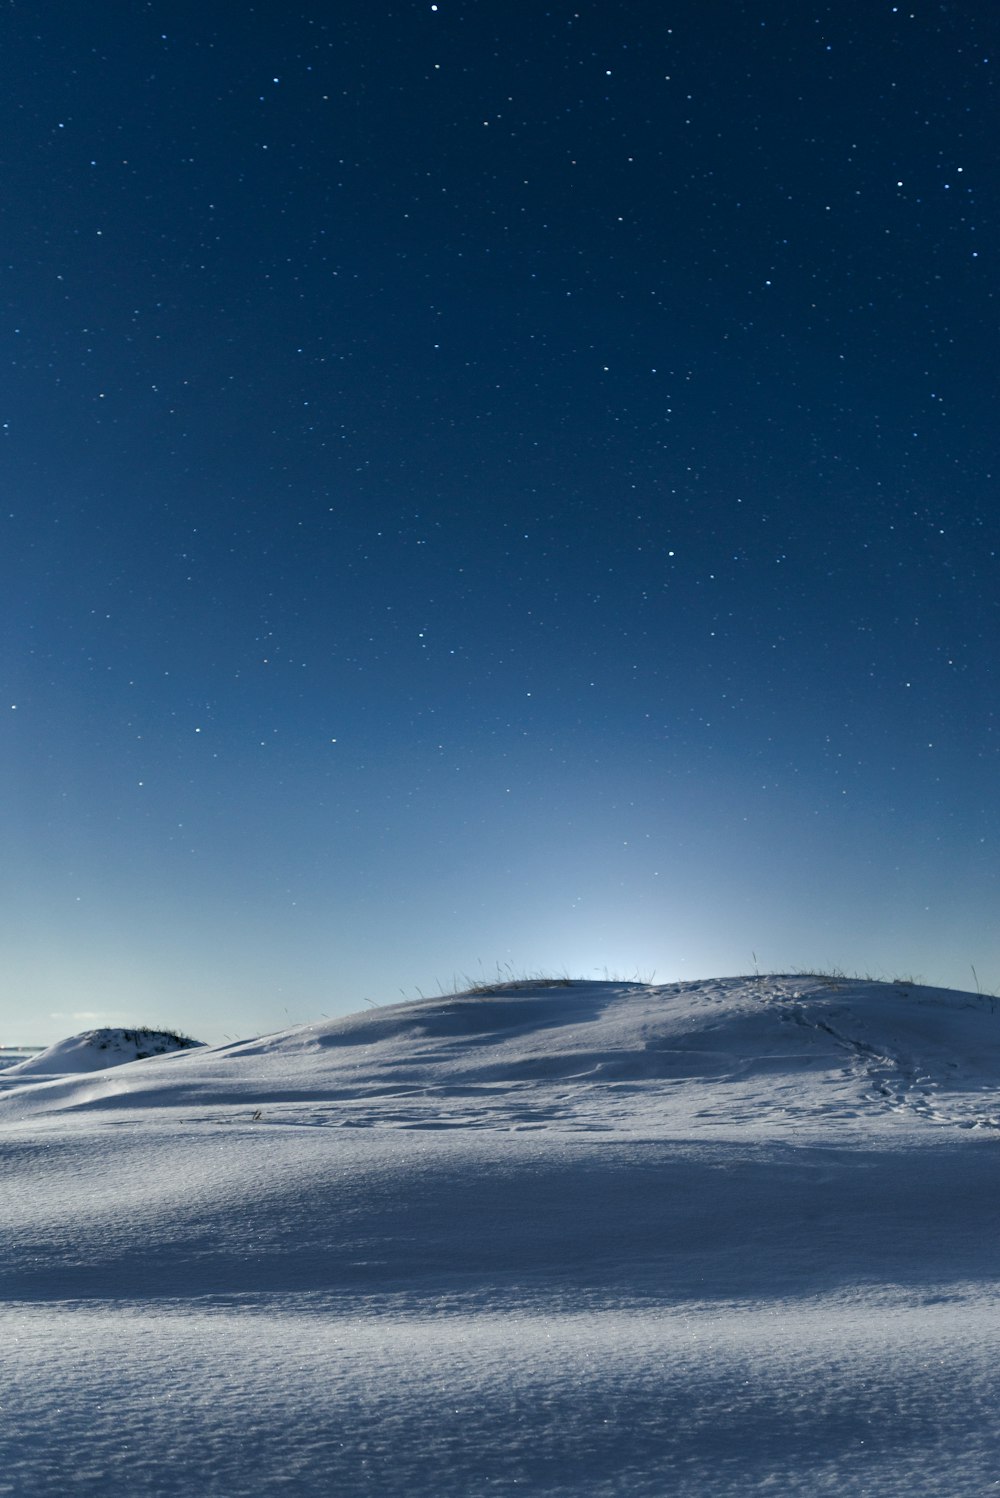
[703,1240]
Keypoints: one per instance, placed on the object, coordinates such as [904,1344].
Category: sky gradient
[488,484]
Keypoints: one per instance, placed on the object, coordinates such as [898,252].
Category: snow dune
[96,1050]
[707,1239]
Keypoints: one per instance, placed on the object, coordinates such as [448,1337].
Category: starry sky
[493,487]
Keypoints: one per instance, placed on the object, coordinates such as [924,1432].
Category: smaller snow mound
[96,1050]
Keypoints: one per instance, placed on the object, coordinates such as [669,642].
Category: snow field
[817,1397]
[705,1240]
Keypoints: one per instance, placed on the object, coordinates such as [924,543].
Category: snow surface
[701,1240]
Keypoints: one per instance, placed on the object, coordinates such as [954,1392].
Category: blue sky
[486,486]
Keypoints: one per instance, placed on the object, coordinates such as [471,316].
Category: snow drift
[709,1239]
[96,1050]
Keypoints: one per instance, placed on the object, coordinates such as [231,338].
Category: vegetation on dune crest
[509,981]
[513,985]
[147,1041]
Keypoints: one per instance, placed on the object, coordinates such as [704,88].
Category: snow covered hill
[703,1239]
[96,1050]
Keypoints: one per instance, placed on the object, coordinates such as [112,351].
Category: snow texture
[709,1239]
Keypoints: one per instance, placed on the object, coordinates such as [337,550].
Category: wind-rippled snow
[728,1238]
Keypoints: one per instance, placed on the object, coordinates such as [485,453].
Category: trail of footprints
[899,1084]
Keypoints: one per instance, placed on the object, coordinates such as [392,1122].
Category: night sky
[493,485]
